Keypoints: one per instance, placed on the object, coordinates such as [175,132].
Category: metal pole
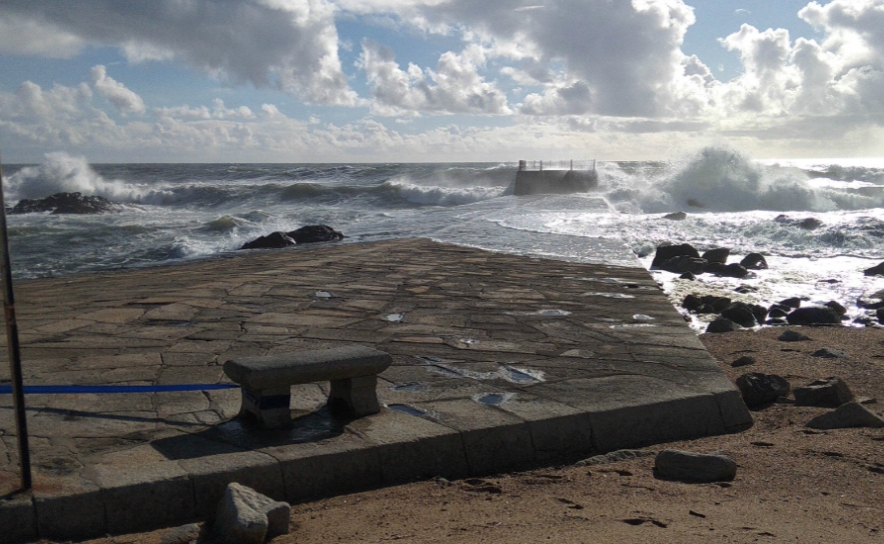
[18,396]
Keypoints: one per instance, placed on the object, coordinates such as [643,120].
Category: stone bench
[266,381]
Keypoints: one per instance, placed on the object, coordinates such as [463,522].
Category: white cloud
[125,100]
[455,85]
[288,44]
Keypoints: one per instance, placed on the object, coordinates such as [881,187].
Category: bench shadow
[243,434]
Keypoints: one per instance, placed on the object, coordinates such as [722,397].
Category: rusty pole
[18,396]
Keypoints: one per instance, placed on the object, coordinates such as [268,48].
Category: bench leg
[356,395]
[269,406]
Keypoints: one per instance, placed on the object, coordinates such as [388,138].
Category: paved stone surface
[499,362]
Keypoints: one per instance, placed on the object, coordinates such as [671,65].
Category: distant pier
[555,177]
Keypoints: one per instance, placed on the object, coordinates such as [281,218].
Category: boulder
[839,309]
[810,223]
[271,241]
[683,263]
[879,313]
[315,233]
[248,517]
[871,301]
[746,289]
[745,360]
[830,353]
[65,203]
[877,270]
[717,255]
[687,276]
[828,393]
[793,303]
[718,304]
[664,253]
[792,336]
[685,466]
[676,216]
[813,315]
[760,389]
[754,261]
[732,270]
[760,312]
[721,325]
[777,312]
[847,416]
[740,313]
[691,303]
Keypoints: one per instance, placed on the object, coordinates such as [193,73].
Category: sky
[439,80]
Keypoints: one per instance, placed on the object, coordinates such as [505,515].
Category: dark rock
[810,223]
[315,233]
[687,276]
[761,389]
[740,313]
[732,270]
[686,466]
[793,302]
[718,304]
[813,315]
[271,241]
[746,289]
[792,336]
[777,313]
[760,312]
[877,270]
[676,216]
[871,301]
[879,313]
[754,261]
[664,253]
[783,218]
[776,322]
[827,393]
[830,353]
[691,303]
[682,263]
[847,416]
[865,321]
[65,203]
[745,360]
[839,309]
[717,255]
[694,203]
[721,325]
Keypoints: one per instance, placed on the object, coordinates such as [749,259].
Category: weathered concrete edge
[358,468]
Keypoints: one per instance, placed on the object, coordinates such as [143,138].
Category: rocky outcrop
[740,313]
[305,235]
[664,253]
[828,393]
[685,466]
[273,240]
[813,315]
[65,203]
[847,416]
[717,255]
[761,389]
[315,233]
[754,261]
[248,517]
[877,270]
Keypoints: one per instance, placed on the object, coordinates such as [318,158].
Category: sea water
[172,213]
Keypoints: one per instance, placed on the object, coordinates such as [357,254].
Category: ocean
[173,213]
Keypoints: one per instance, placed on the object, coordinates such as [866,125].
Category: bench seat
[266,381]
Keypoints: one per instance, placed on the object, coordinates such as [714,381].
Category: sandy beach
[793,483]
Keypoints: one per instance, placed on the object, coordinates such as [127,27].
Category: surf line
[103,389]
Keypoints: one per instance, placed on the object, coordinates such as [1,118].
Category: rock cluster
[65,203]
[304,235]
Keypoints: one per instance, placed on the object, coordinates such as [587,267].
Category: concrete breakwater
[500,363]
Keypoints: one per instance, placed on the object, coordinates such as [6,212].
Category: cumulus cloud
[125,100]
[454,86]
[292,45]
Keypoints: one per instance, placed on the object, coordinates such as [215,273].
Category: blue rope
[67,389]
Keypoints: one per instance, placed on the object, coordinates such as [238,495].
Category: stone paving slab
[500,362]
